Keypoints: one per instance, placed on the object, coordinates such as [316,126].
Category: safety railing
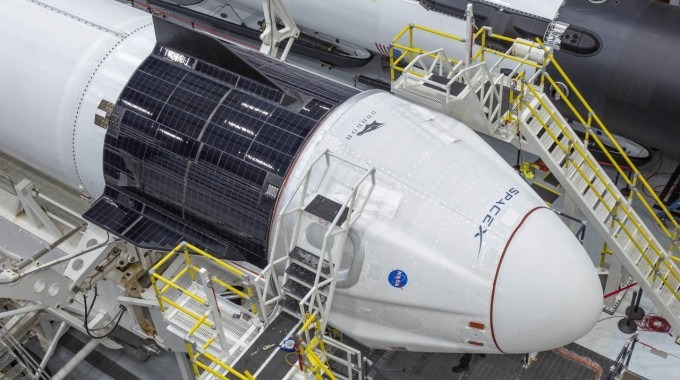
[187,249]
[410,50]
[312,348]
[314,358]
[198,353]
[312,301]
[354,209]
[423,65]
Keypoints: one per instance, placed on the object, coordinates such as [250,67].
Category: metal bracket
[25,202]
[272,36]
[106,108]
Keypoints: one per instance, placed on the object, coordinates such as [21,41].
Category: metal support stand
[635,312]
[627,325]
[617,278]
[214,307]
[26,203]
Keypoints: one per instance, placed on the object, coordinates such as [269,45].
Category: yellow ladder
[611,212]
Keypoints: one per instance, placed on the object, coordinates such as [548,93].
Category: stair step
[574,169]
[326,209]
[422,94]
[456,87]
[309,260]
[302,274]
[299,291]
[547,140]
[558,155]
[580,184]
[290,305]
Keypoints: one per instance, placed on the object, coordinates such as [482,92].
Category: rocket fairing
[180,137]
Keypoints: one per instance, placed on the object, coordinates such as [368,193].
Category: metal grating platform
[281,328]
[239,331]
[399,365]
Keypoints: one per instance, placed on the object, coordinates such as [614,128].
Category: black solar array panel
[191,149]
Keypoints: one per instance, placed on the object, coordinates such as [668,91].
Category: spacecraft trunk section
[196,152]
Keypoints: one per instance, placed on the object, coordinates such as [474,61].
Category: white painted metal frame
[312,301]
[272,36]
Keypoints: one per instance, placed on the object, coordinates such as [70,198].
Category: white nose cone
[547,293]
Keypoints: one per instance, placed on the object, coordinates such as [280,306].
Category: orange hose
[582,360]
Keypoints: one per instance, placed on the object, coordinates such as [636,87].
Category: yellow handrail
[314,358]
[310,319]
[212,371]
[610,191]
[197,325]
[230,288]
[221,263]
[166,258]
[175,279]
[186,311]
[181,289]
[630,164]
[190,352]
[227,368]
[186,248]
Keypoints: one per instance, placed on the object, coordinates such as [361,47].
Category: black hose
[123,309]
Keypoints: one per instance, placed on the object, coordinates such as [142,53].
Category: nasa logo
[494,210]
[367,124]
[397,278]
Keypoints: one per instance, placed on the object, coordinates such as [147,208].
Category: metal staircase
[14,360]
[456,88]
[518,78]
[600,200]
[310,274]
